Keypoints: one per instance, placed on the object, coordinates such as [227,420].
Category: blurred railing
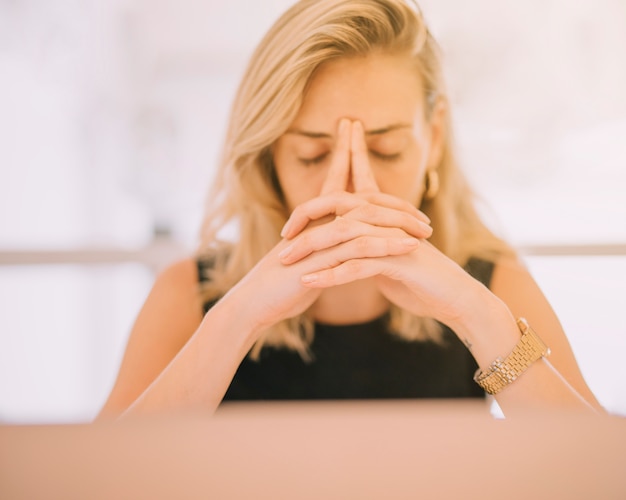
[156,255]
[162,251]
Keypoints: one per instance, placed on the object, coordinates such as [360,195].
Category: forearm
[199,375]
[489,330]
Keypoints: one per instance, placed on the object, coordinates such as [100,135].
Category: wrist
[504,371]
[486,325]
[234,317]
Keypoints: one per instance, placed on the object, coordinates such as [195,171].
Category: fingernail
[310,278]
[426,228]
[343,124]
[285,229]
[285,252]
[411,242]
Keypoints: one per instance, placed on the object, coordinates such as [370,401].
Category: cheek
[299,184]
[404,180]
[406,185]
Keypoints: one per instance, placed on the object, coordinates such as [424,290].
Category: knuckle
[342,225]
[329,277]
[353,266]
[338,197]
[304,240]
[407,220]
[369,211]
[408,207]
[393,246]
[363,245]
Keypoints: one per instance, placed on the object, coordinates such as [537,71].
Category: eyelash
[388,158]
[307,162]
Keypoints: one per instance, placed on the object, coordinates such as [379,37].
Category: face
[384,93]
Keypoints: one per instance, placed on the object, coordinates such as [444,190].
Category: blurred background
[111,118]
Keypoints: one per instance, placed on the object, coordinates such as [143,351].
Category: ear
[437,131]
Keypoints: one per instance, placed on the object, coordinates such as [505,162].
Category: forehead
[377,90]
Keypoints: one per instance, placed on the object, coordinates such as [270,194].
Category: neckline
[347,326]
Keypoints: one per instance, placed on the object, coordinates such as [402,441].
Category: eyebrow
[324,135]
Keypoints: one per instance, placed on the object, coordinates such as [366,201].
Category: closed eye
[385,157]
[307,162]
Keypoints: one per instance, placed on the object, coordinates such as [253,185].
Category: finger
[339,170]
[388,200]
[340,203]
[346,272]
[366,247]
[362,175]
[367,219]
[379,216]
[337,203]
[339,231]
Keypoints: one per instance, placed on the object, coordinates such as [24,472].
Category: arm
[428,283]
[169,317]
[174,357]
[514,285]
[177,360]
[200,372]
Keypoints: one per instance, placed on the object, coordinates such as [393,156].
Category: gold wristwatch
[502,372]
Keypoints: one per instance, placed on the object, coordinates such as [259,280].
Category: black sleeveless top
[361,361]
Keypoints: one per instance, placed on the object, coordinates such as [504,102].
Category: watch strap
[503,372]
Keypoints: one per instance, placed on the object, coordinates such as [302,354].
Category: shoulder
[176,286]
[181,275]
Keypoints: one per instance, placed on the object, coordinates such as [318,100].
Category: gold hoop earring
[431,184]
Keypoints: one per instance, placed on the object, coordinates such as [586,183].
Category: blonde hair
[246,190]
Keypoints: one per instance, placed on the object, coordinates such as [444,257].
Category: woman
[338,286]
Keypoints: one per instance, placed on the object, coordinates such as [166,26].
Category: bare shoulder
[169,317]
[513,283]
[178,281]
[174,298]
[173,310]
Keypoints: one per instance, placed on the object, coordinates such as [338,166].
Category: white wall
[111,117]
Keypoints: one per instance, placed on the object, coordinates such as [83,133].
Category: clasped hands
[353,231]
[362,224]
